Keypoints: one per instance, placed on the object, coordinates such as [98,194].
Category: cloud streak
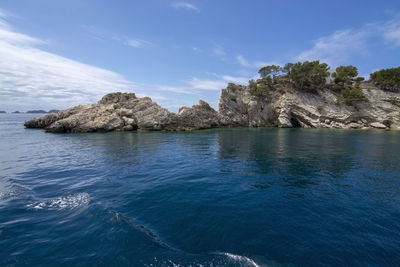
[29,75]
[103,35]
[137,43]
[256,64]
[338,47]
[32,78]
[185,5]
[197,85]
[391,32]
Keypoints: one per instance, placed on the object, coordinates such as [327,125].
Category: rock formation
[126,112]
[324,109]
[237,107]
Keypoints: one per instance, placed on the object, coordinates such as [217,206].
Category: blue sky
[55,54]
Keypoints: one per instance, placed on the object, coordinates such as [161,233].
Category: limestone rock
[233,106]
[41,122]
[237,107]
[293,108]
[378,125]
[354,125]
[200,116]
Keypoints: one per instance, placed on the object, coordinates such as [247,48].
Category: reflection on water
[221,197]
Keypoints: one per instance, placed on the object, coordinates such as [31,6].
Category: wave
[239,259]
[208,259]
[62,203]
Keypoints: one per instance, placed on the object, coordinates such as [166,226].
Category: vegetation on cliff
[313,76]
[387,79]
[307,76]
[347,82]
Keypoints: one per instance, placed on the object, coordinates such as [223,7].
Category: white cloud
[256,64]
[206,84]
[197,85]
[337,47]
[103,35]
[137,43]
[391,32]
[30,76]
[185,5]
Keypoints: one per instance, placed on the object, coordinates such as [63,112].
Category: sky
[57,54]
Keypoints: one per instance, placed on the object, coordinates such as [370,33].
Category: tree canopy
[270,70]
[347,82]
[308,76]
[311,76]
[346,76]
[387,79]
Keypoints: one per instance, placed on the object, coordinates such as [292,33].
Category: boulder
[378,125]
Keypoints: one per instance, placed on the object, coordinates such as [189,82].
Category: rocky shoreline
[237,108]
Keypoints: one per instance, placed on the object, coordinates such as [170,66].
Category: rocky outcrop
[291,108]
[237,107]
[200,116]
[126,112]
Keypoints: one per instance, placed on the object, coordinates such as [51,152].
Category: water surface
[222,197]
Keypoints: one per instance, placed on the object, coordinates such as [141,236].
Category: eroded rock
[237,107]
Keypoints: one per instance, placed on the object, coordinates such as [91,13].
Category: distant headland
[35,111]
[303,94]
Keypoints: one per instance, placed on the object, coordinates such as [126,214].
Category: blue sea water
[221,197]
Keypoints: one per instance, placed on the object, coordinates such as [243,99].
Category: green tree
[352,95]
[233,87]
[387,79]
[346,81]
[346,77]
[288,68]
[270,70]
[260,88]
[308,76]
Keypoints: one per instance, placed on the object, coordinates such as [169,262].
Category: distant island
[42,111]
[2,111]
[303,94]
[36,111]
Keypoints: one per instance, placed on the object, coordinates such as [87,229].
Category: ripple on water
[242,260]
[61,203]
[213,259]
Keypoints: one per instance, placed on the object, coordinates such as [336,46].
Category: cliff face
[324,109]
[237,107]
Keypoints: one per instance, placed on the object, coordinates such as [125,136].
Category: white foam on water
[240,259]
[62,203]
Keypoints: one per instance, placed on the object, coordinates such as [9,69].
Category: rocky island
[304,94]
[36,111]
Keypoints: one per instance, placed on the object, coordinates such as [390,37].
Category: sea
[219,197]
